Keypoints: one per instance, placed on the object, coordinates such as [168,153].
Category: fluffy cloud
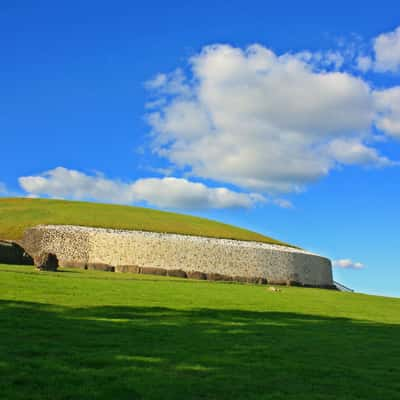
[352,151]
[261,121]
[388,106]
[387,51]
[64,183]
[163,192]
[346,263]
[181,193]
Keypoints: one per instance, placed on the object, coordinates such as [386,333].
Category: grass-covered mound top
[17,214]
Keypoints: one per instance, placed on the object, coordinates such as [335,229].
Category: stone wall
[140,251]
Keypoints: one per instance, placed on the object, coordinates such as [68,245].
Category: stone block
[153,271]
[73,264]
[240,279]
[291,282]
[100,267]
[179,273]
[46,262]
[196,275]
[134,269]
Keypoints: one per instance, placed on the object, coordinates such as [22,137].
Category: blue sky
[282,118]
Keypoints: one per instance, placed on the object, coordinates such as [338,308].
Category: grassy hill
[94,335]
[17,214]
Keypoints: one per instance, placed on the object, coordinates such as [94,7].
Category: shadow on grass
[49,352]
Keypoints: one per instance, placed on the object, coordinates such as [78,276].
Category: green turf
[97,335]
[20,213]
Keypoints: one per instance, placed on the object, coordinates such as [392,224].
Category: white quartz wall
[278,264]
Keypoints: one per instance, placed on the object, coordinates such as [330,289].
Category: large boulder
[73,264]
[153,271]
[46,262]
[100,267]
[196,275]
[128,268]
[179,273]
[213,276]
[13,253]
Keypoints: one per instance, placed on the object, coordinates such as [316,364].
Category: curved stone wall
[81,246]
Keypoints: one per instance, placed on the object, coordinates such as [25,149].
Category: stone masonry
[136,250]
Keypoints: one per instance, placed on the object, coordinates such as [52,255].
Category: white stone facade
[277,264]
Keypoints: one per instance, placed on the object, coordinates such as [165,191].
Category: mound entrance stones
[46,262]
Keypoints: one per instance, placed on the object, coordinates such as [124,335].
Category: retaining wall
[140,251]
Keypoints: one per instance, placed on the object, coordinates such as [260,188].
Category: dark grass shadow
[49,352]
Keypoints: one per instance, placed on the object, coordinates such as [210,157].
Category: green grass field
[17,214]
[96,335]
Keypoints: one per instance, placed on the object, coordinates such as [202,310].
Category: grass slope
[95,335]
[17,214]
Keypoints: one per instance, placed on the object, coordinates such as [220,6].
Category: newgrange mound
[131,239]
[18,214]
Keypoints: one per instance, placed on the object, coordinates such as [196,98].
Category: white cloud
[352,151]
[322,60]
[364,63]
[387,51]
[335,59]
[63,183]
[261,121]
[173,83]
[388,106]
[181,193]
[162,192]
[3,189]
[283,203]
[158,81]
[346,263]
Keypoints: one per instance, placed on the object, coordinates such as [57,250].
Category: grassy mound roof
[17,214]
